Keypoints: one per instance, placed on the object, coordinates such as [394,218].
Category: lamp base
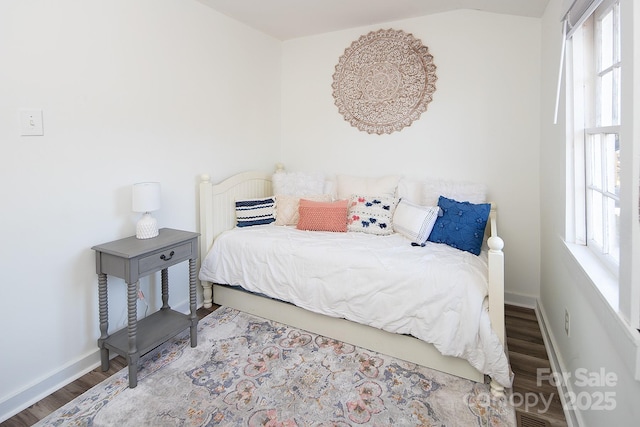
[147,227]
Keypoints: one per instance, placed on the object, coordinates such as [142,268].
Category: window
[594,70]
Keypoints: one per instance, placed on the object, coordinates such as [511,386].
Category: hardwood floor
[59,398]
[526,352]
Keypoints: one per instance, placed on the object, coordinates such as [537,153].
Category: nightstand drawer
[166,258]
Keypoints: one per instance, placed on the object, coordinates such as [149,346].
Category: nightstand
[130,259]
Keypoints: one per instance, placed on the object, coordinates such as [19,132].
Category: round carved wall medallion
[384,81]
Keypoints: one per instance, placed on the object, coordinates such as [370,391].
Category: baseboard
[520,300]
[44,386]
[57,379]
[572,416]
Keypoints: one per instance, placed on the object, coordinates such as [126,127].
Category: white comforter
[435,293]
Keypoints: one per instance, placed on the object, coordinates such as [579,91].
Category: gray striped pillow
[415,222]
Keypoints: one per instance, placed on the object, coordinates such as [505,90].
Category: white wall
[598,338]
[166,89]
[131,90]
[483,124]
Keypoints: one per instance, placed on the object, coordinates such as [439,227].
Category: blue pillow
[461,225]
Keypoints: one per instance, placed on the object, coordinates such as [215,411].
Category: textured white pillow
[413,221]
[383,186]
[287,207]
[298,183]
[331,187]
[410,189]
[371,214]
[460,191]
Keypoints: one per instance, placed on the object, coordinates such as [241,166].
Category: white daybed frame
[217,214]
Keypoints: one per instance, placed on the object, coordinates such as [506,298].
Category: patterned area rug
[252,372]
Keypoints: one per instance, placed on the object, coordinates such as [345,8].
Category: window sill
[601,277]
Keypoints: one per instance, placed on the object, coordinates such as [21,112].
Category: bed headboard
[245,185]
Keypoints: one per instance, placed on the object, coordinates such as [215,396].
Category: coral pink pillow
[323,216]
[287,207]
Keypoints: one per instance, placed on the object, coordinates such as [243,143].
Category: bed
[361,316]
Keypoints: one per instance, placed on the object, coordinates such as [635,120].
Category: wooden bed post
[496,279]
[496,287]
[206,231]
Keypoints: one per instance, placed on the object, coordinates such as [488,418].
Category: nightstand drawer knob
[164,257]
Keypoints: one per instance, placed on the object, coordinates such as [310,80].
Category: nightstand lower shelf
[153,330]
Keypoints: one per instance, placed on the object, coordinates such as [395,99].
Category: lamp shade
[146,197]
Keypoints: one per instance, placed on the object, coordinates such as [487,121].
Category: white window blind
[574,13]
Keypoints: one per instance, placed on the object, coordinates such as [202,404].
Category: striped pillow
[255,211]
[414,222]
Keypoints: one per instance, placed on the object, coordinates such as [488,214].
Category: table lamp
[146,199]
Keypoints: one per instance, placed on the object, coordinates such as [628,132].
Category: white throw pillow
[298,183]
[460,191]
[383,186]
[413,221]
[410,189]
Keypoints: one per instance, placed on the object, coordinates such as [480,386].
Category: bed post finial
[495,243]
[279,167]
[205,177]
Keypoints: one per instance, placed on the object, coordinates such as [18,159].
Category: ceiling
[289,19]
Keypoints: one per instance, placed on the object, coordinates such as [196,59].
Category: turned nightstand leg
[132,328]
[192,302]
[103,305]
[164,279]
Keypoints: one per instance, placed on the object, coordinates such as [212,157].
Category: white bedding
[435,293]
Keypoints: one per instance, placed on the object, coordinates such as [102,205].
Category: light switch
[31,122]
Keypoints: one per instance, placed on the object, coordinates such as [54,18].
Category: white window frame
[586,127]
[621,291]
